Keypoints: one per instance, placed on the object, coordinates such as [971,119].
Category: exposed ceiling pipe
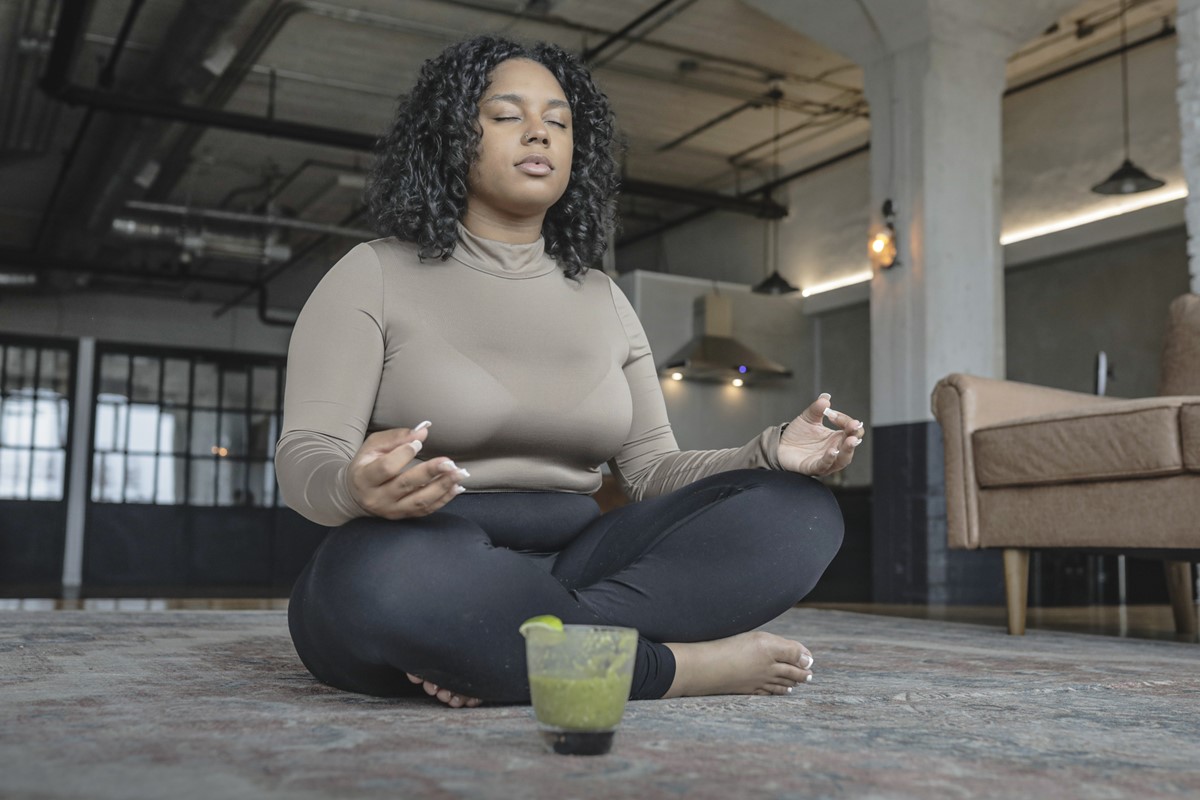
[43,264]
[589,55]
[204,243]
[242,218]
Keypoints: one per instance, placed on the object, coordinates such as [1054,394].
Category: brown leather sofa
[1028,467]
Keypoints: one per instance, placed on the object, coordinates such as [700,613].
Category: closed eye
[559,124]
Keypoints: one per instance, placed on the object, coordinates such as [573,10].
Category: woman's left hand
[810,448]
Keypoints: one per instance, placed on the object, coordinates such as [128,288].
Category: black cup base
[579,743]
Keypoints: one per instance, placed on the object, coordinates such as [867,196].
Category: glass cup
[579,680]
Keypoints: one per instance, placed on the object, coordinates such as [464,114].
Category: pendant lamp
[1128,178]
[775,283]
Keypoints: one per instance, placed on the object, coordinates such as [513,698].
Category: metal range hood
[713,354]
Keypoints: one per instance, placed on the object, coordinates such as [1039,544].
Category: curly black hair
[418,184]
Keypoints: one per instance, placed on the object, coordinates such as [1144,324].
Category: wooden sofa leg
[1179,587]
[1016,587]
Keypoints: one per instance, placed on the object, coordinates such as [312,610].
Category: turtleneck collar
[513,261]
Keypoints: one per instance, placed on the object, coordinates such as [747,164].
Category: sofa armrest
[963,403]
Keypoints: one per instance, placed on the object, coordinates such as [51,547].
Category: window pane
[49,428]
[262,483]
[55,373]
[263,388]
[172,430]
[204,433]
[201,490]
[14,474]
[114,376]
[170,480]
[176,379]
[16,426]
[49,469]
[145,378]
[108,476]
[233,390]
[233,433]
[205,390]
[262,436]
[63,415]
[231,482]
[19,367]
[139,479]
[143,428]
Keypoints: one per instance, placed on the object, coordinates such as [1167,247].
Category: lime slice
[545,622]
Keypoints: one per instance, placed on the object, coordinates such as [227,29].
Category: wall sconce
[883,244]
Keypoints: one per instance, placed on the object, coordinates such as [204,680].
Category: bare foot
[749,663]
[445,695]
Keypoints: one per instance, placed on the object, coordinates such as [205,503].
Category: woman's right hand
[380,483]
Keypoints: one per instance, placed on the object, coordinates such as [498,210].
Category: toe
[456,701]
[431,689]
[790,673]
[414,678]
[444,695]
[473,702]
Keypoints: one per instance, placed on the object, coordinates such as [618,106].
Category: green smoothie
[581,704]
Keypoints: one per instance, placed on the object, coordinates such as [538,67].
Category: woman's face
[524,160]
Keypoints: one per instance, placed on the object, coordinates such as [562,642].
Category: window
[186,428]
[35,414]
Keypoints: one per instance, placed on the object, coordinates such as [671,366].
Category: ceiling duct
[713,354]
[203,243]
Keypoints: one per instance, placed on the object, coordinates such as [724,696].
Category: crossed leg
[695,569]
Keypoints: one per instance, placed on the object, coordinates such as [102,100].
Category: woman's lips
[535,165]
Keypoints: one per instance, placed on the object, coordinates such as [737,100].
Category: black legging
[441,596]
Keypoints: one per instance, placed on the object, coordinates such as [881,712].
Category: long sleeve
[650,462]
[335,359]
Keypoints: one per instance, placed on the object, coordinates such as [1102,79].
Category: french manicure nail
[424,424]
[462,473]
[834,452]
[810,661]
[416,445]
[824,394]
[448,466]
[853,442]
[829,412]
[808,679]
[789,689]
[459,489]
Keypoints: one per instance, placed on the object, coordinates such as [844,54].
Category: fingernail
[810,661]
[448,466]
[416,445]
[835,452]
[808,679]
[829,412]
[424,424]
[824,394]
[853,442]
[459,489]
[789,689]
[462,473]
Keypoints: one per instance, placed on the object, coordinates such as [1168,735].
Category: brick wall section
[1188,25]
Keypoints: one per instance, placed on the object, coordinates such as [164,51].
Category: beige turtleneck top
[531,379]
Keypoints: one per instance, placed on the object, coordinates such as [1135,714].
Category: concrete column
[934,79]
[1187,23]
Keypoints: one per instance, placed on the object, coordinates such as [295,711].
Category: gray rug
[183,704]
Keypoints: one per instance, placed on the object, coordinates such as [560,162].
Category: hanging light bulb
[1128,178]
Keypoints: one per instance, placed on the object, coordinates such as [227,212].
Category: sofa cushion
[1112,441]
[1189,424]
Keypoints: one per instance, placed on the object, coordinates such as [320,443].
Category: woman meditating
[453,389]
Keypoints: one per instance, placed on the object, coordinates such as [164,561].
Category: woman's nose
[537,134]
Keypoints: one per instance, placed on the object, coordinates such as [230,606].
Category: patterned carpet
[183,704]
